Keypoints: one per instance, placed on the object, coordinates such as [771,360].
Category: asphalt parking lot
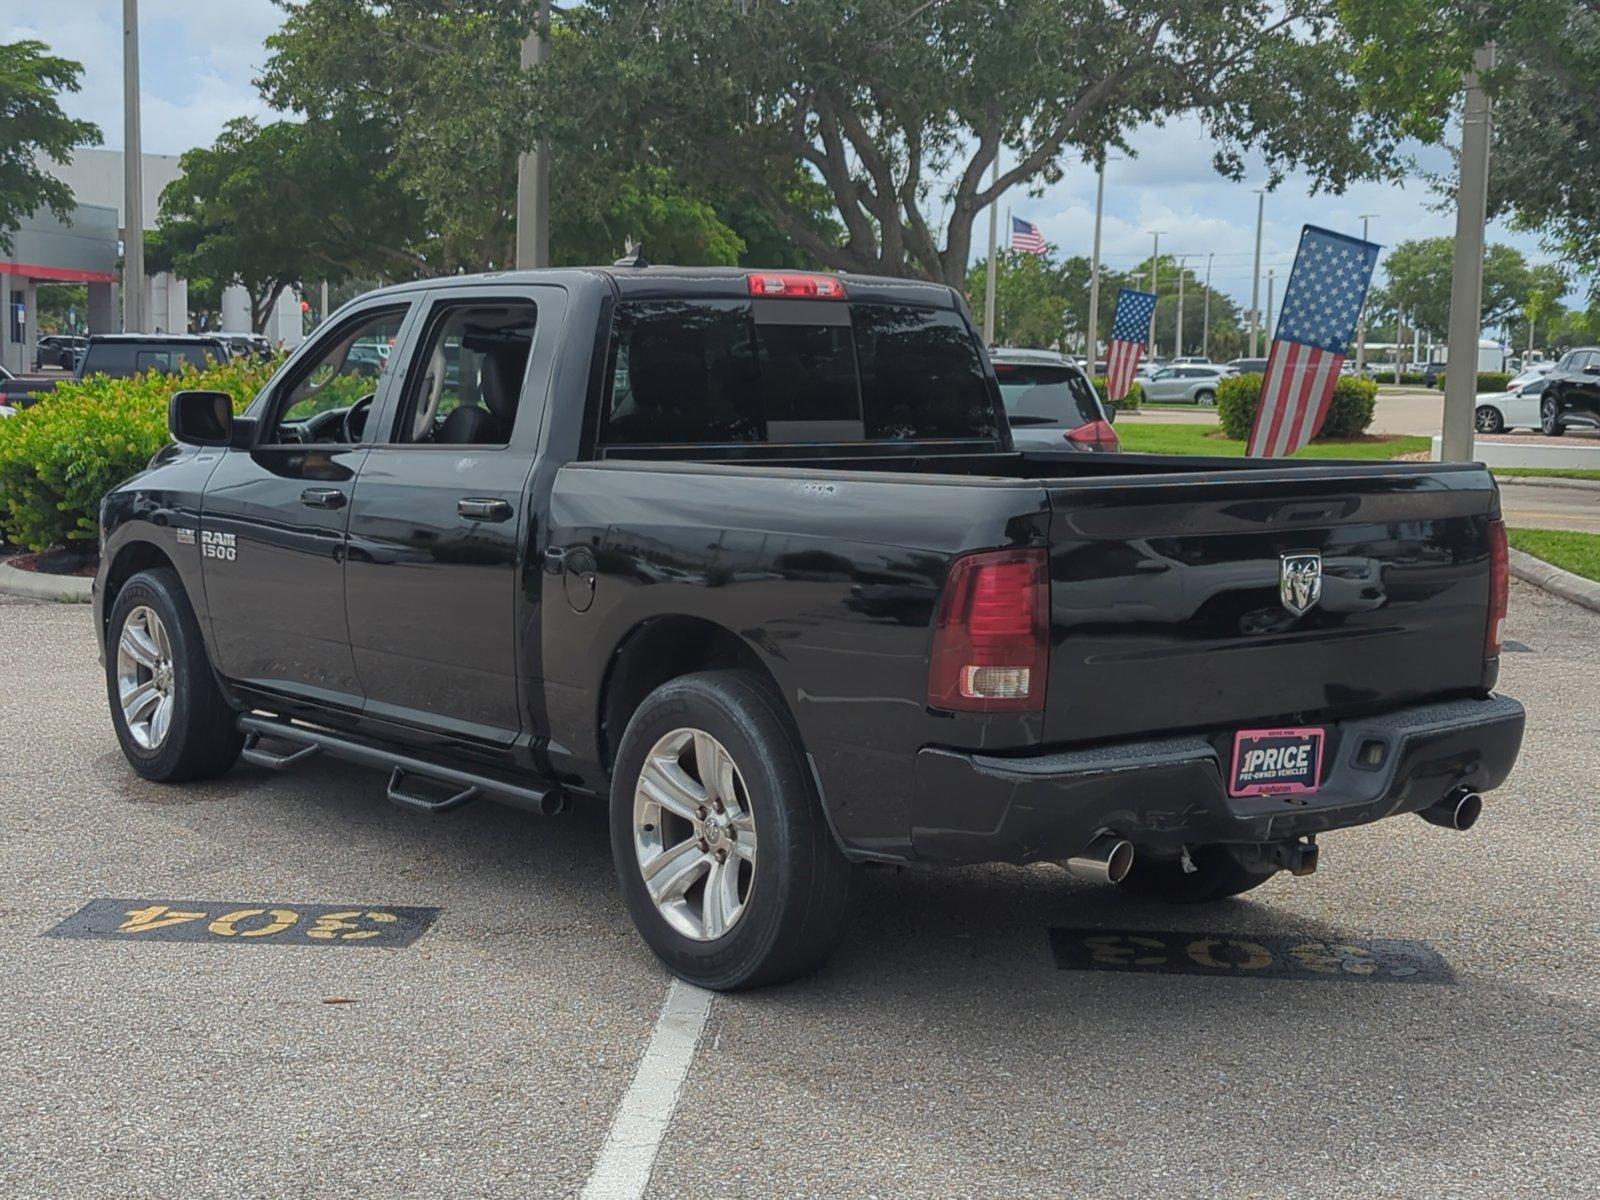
[941,1053]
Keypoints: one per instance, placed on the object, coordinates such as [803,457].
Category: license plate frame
[1289,774]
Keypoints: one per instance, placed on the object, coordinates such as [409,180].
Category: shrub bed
[1488,381]
[1128,403]
[1349,412]
[59,457]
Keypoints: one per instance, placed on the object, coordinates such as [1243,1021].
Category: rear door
[439,522]
[1168,610]
[273,528]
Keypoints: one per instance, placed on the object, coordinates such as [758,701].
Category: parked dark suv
[122,355]
[1572,393]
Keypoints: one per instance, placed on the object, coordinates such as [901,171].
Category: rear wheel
[171,718]
[725,860]
[1550,423]
[1488,419]
[1216,876]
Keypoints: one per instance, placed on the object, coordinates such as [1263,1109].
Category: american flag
[1025,236]
[1129,330]
[1321,305]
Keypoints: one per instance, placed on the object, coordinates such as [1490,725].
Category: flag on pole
[1129,331]
[1327,287]
[1025,236]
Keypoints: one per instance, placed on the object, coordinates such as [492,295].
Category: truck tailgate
[1166,611]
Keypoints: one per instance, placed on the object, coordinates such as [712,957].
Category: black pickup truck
[751,557]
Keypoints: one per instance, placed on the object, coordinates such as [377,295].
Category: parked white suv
[1185,383]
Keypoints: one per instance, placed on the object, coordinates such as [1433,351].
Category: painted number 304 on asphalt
[1196,953]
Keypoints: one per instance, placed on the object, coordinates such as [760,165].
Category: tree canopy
[32,126]
[901,107]
[1417,280]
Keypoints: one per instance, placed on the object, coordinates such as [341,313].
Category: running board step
[463,786]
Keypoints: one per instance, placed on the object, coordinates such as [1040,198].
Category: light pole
[1155,284]
[1466,276]
[533,168]
[1177,341]
[1205,320]
[133,314]
[1094,267]
[1361,325]
[1255,273]
[1268,328]
[994,237]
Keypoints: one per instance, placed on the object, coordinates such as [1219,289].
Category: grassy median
[1575,552]
[1150,437]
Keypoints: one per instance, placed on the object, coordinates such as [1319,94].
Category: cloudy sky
[199,57]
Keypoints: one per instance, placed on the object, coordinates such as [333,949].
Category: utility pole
[1268,328]
[994,239]
[1205,320]
[533,168]
[1177,348]
[1255,273]
[324,298]
[1399,336]
[1155,286]
[1361,325]
[1466,278]
[134,317]
[1093,352]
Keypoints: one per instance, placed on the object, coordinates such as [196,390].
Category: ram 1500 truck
[751,558]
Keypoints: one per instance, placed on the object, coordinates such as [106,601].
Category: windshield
[1043,394]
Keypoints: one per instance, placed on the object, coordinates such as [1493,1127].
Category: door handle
[476,509]
[322,498]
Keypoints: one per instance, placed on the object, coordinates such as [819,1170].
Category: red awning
[58,274]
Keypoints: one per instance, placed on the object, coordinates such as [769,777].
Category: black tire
[1487,419]
[1549,416]
[1205,398]
[202,738]
[800,885]
[1217,876]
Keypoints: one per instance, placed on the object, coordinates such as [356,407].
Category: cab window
[465,384]
[328,397]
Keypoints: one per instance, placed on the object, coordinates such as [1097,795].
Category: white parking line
[623,1169]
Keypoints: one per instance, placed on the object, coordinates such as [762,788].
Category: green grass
[1150,438]
[1548,472]
[1575,552]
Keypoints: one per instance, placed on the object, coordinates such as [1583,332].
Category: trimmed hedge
[59,457]
[1349,412]
[1488,381]
[1128,403]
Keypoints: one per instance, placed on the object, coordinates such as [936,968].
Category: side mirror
[201,418]
[1111,410]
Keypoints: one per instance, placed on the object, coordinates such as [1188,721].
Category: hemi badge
[185,537]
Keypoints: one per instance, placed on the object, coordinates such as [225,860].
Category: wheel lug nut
[704,845]
[702,812]
[722,856]
[717,804]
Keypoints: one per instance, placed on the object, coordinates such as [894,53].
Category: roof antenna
[633,256]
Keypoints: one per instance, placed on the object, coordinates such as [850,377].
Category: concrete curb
[1577,485]
[1552,579]
[31,585]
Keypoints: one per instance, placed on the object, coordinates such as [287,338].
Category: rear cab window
[778,370]
[1044,394]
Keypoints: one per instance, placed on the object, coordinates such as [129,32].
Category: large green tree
[281,205]
[1417,281]
[34,130]
[902,107]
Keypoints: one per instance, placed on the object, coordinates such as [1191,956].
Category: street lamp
[1177,347]
[1255,274]
[1205,320]
[1361,326]
[1155,277]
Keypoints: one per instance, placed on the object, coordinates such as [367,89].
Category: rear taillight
[794,286]
[991,638]
[1499,587]
[1097,435]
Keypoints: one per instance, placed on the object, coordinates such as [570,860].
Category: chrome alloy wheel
[146,683]
[694,834]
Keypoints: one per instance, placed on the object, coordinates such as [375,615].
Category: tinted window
[728,371]
[339,371]
[1036,395]
[466,382]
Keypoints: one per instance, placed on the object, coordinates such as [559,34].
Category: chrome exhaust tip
[1106,859]
[1459,811]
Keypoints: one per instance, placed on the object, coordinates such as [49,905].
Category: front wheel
[1217,875]
[725,860]
[1550,417]
[171,718]
[1488,419]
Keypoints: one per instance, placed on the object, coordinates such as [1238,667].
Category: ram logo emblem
[1300,582]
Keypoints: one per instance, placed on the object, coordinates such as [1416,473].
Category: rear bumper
[1161,795]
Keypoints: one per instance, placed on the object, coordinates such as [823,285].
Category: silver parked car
[1191,384]
[1051,404]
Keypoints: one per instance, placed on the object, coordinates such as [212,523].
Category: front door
[273,526]
[439,519]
